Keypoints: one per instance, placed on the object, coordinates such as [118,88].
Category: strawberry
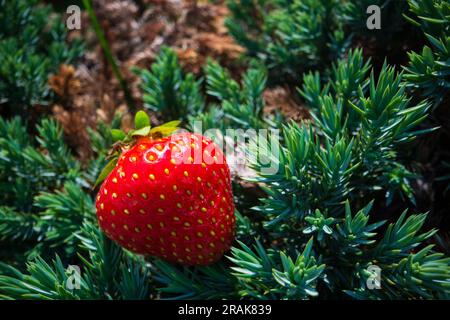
[169,197]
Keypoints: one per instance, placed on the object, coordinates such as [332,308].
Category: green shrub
[168,91]
[31,48]
[429,70]
[290,37]
[176,95]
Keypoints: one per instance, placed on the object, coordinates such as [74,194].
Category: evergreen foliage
[31,47]
[176,95]
[168,91]
[25,169]
[108,273]
[241,105]
[351,153]
[291,37]
[429,70]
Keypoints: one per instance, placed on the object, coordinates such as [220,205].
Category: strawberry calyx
[123,141]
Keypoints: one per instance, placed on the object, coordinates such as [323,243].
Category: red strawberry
[170,197]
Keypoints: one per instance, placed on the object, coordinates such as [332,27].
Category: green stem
[109,56]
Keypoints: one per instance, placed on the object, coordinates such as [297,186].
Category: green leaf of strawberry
[144,131]
[141,120]
[166,128]
[117,135]
[105,171]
